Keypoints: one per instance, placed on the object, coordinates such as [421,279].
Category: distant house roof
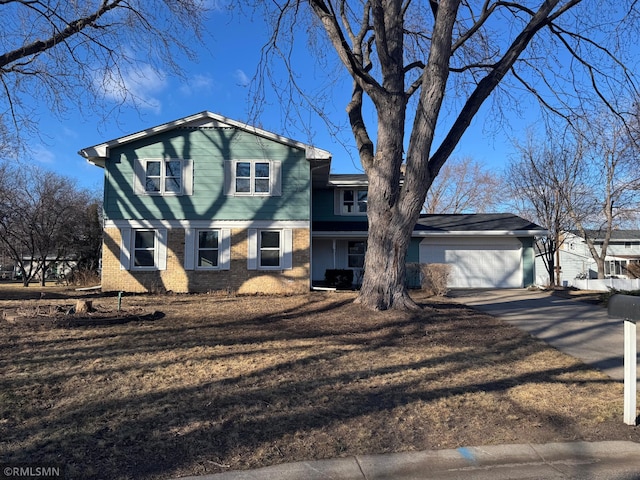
[98,154]
[616,235]
[496,224]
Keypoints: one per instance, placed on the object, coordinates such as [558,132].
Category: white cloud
[242,78]
[41,154]
[198,84]
[138,86]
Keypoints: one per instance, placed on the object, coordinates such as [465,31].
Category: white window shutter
[228,178]
[276,179]
[187,177]
[287,249]
[125,249]
[337,204]
[252,254]
[190,240]
[161,240]
[139,177]
[225,249]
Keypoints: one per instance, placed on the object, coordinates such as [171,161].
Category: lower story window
[208,248]
[144,248]
[356,251]
[270,248]
[615,267]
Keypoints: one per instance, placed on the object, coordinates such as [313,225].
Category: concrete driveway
[580,329]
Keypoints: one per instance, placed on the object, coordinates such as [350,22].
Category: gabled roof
[98,154]
[473,224]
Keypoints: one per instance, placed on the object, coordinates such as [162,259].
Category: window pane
[152,184]
[362,200]
[270,240]
[243,169]
[262,170]
[172,185]
[143,258]
[153,169]
[348,196]
[356,248]
[145,239]
[262,186]
[356,253]
[208,239]
[173,168]
[208,258]
[356,261]
[243,185]
[270,258]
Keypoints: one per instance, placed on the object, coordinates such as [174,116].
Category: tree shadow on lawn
[243,393]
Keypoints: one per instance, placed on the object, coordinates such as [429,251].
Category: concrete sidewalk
[579,329]
[575,461]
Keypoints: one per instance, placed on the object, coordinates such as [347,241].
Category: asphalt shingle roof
[476,222]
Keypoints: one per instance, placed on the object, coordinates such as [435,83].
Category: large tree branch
[327,16]
[488,84]
[72,28]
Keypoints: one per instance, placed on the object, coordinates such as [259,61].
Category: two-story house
[206,203]
[576,261]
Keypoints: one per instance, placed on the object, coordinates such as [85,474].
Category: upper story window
[353,201]
[155,176]
[252,177]
[163,176]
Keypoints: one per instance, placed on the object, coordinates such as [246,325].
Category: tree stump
[84,306]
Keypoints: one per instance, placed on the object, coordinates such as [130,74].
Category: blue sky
[219,82]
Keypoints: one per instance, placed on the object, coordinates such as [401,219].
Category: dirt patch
[223,382]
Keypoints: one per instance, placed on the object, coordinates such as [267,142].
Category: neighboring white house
[576,262]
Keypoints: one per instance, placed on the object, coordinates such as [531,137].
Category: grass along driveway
[225,383]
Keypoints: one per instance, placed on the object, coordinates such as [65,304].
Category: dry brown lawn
[222,382]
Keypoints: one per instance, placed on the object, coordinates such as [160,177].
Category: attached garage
[484,250]
[477,262]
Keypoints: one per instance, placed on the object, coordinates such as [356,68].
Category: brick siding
[176,279]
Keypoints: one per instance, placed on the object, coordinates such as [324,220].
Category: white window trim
[191,249]
[197,249]
[140,175]
[340,210]
[286,249]
[275,183]
[127,249]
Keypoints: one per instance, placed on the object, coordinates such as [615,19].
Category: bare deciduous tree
[544,172]
[609,170]
[77,53]
[585,180]
[426,67]
[41,216]
[463,186]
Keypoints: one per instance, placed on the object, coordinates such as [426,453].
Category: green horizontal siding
[208,149]
[323,208]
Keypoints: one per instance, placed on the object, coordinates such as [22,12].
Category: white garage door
[477,262]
